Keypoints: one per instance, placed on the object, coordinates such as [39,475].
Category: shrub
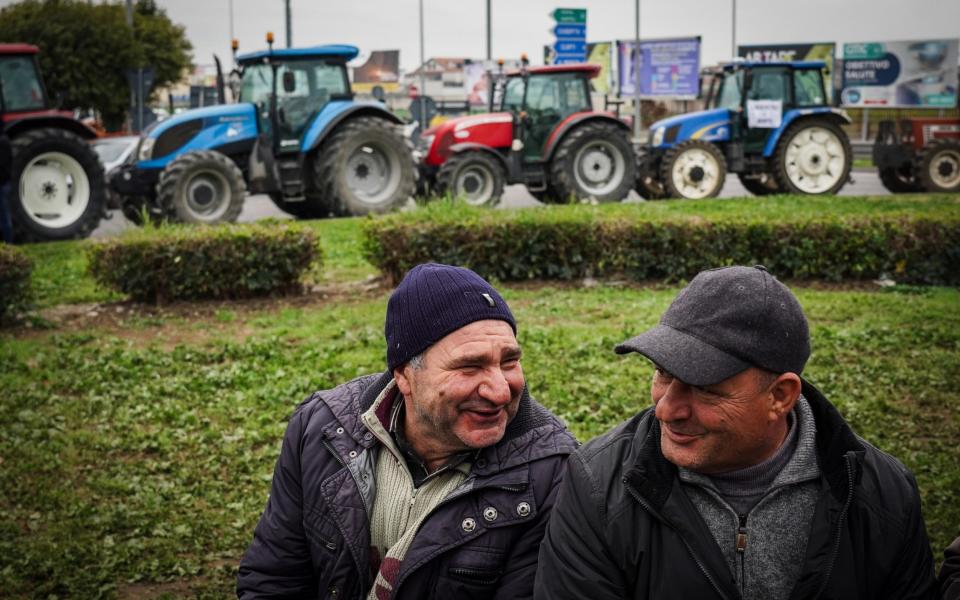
[188,262]
[571,242]
[15,270]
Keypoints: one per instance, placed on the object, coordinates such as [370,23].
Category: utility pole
[733,31]
[230,12]
[636,74]
[489,55]
[134,93]
[289,27]
[423,78]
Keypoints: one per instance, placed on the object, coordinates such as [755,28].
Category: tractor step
[535,176]
[291,184]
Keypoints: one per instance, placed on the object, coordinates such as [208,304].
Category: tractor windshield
[513,95]
[730,90]
[20,85]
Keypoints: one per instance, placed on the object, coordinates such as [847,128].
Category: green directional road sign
[569,15]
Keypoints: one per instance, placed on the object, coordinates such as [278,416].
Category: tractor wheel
[813,157]
[365,166]
[57,189]
[759,184]
[594,161]
[693,169]
[649,185]
[202,187]
[475,177]
[939,166]
[900,180]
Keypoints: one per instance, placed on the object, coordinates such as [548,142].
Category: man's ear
[784,394]
[402,375]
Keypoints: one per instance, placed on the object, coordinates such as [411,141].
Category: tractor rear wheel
[57,189]
[204,187]
[365,166]
[900,180]
[939,166]
[475,177]
[693,169]
[813,157]
[759,184]
[595,161]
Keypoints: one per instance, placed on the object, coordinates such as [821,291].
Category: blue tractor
[770,123]
[296,134]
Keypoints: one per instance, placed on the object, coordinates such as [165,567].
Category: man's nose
[494,388]
[674,402]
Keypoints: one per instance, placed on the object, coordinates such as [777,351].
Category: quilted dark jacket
[313,540]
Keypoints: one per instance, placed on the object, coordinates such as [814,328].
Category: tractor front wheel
[595,161]
[694,170]
[204,187]
[813,157]
[365,166]
[57,190]
[475,177]
[939,167]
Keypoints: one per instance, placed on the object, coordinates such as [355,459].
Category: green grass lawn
[136,451]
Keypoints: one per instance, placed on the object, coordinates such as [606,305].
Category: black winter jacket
[313,540]
[623,528]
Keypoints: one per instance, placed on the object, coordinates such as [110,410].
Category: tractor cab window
[557,94]
[513,95]
[730,90]
[770,84]
[20,84]
[808,87]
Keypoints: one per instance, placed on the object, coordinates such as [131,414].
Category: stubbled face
[466,390]
[718,428]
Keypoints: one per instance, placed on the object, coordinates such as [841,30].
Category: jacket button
[468,525]
[523,509]
[339,430]
[481,463]
[333,591]
[353,454]
[367,436]
[490,513]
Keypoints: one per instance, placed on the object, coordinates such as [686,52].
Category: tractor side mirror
[289,82]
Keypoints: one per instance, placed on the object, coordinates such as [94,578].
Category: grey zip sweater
[765,547]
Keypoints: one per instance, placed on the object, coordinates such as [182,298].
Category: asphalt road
[866,183]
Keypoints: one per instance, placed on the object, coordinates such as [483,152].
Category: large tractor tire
[813,157]
[595,161]
[474,177]
[693,169]
[938,169]
[204,187]
[759,184]
[57,189]
[900,180]
[365,166]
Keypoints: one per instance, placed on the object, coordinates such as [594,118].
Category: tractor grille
[175,137]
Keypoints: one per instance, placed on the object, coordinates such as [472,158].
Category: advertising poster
[381,69]
[791,52]
[600,54]
[668,68]
[920,73]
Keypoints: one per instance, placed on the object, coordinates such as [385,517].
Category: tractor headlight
[145,152]
[658,136]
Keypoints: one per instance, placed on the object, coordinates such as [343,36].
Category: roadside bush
[572,242]
[15,270]
[185,262]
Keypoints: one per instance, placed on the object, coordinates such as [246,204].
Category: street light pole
[636,74]
[733,31]
[423,78]
[489,56]
[289,27]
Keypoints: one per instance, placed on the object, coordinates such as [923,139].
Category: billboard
[918,73]
[381,69]
[668,68]
[790,52]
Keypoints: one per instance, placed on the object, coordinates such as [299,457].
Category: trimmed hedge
[223,262]
[643,242]
[15,270]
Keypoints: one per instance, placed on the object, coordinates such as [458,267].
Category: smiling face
[464,392]
[731,425]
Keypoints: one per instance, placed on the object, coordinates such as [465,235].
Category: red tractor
[546,136]
[924,156]
[57,190]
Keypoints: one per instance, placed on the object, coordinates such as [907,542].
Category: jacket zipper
[696,559]
[741,550]
[840,521]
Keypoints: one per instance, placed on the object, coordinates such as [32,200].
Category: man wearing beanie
[742,481]
[434,479]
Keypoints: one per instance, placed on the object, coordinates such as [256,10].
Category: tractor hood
[199,129]
[709,125]
[220,113]
[493,130]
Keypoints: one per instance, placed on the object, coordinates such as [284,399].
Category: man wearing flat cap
[742,480]
[434,479]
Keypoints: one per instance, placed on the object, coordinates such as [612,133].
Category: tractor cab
[21,90]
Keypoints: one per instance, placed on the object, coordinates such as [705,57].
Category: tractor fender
[574,120]
[336,112]
[48,119]
[836,115]
[475,147]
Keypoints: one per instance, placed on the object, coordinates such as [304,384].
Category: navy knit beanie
[434,300]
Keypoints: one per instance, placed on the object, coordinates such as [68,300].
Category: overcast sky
[457,27]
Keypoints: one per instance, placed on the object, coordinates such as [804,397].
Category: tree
[85,49]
